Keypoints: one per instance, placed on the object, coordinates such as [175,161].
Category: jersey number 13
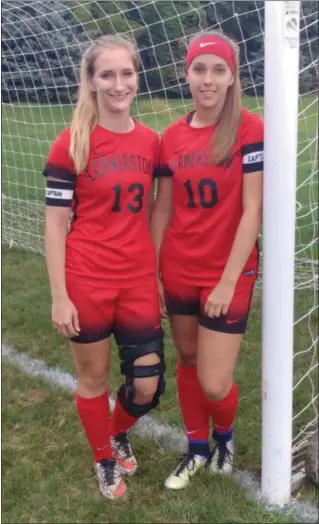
[135,205]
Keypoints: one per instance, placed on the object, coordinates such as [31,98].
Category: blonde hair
[225,134]
[85,116]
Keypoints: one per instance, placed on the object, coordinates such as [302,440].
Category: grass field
[47,466]
[48,476]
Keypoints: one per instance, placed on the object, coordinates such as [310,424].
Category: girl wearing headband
[205,225]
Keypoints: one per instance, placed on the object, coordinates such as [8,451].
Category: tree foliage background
[42,43]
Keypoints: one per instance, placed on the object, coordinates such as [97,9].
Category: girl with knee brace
[102,271]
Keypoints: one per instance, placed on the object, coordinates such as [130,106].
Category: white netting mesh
[42,44]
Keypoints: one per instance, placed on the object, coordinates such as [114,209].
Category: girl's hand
[65,317]
[220,298]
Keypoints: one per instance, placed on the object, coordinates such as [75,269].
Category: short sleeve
[59,164]
[252,149]
[163,169]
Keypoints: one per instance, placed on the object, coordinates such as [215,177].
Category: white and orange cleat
[123,454]
[111,484]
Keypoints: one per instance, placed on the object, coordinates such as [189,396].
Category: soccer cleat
[123,454]
[189,465]
[111,484]
[221,460]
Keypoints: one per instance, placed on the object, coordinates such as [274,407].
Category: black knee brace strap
[128,355]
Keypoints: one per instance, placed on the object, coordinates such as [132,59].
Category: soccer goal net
[42,42]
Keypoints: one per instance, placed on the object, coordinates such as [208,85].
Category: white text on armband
[251,158]
[59,193]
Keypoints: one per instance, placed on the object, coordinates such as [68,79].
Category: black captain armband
[59,193]
[253,157]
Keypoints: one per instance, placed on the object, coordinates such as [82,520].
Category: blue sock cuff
[199,447]
[225,436]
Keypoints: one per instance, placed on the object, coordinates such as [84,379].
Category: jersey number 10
[208,198]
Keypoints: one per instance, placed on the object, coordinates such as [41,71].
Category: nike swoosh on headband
[204,44]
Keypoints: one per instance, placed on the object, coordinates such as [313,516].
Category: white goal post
[279,209]
[42,42]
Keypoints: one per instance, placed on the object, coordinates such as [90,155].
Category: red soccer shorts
[185,299]
[132,314]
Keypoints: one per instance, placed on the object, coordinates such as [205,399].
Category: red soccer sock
[94,415]
[193,404]
[223,411]
[121,421]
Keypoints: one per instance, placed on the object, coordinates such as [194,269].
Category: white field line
[167,437]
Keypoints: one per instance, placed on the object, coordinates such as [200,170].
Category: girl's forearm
[159,223]
[243,244]
[55,240]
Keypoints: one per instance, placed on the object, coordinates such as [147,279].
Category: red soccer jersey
[207,200]
[109,240]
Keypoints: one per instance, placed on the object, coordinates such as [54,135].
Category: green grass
[48,476]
